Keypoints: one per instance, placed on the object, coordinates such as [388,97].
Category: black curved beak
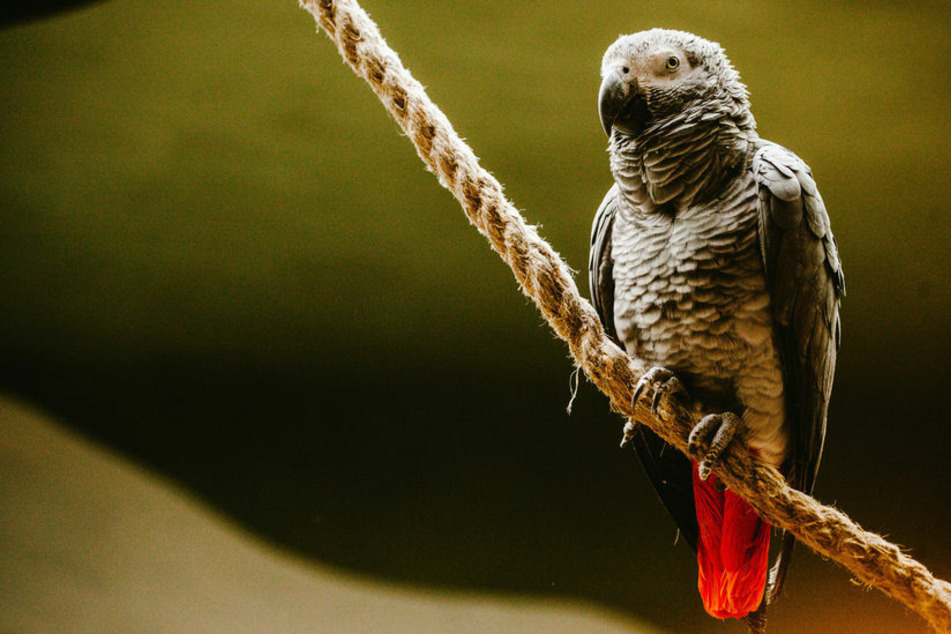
[620,105]
[612,98]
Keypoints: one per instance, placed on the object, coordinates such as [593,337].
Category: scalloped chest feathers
[691,295]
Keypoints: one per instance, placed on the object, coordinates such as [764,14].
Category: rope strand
[547,280]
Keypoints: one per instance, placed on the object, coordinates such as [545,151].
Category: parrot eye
[672,63]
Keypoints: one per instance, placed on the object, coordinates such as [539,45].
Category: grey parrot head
[649,76]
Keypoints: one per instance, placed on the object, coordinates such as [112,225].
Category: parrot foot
[710,438]
[662,381]
[629,430]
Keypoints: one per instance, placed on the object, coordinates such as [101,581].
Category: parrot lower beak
[621,106]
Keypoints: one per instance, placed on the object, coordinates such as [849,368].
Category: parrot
[713,261]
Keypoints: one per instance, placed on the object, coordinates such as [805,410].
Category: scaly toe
[629,430]
[648,379]
[706,450]
[700,435]
[661,381]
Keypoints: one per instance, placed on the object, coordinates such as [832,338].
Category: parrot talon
[629,430]
[704,470]
[662,381]
[658,392]
[706,450]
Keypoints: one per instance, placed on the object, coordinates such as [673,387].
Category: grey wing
[806,284]
[600,264]
[668,469]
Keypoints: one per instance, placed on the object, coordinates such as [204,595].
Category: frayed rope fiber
[547,280]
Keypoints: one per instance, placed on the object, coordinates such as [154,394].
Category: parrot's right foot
[707,451]
[662,381]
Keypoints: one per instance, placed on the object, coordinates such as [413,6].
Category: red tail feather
[732,551]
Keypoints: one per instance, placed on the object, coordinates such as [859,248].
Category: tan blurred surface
[92,543]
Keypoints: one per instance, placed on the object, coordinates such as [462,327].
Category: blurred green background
[218,255]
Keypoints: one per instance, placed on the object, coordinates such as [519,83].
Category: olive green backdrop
[218,255]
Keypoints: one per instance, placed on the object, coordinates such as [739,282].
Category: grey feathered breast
[805,281]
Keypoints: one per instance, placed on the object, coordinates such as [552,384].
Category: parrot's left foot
[710,438]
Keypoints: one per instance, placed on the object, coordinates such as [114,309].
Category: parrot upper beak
[620,105]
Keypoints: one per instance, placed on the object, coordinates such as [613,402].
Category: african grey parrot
[712,260]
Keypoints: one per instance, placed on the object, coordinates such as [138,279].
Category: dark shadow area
[11,14]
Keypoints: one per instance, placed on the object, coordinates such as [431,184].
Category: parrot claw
[662,381]
[629,430]
[710,438]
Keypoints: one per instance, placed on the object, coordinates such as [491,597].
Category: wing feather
[668,469]
[806,284]
[600,264]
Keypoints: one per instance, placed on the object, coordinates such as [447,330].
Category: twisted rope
[547,280]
